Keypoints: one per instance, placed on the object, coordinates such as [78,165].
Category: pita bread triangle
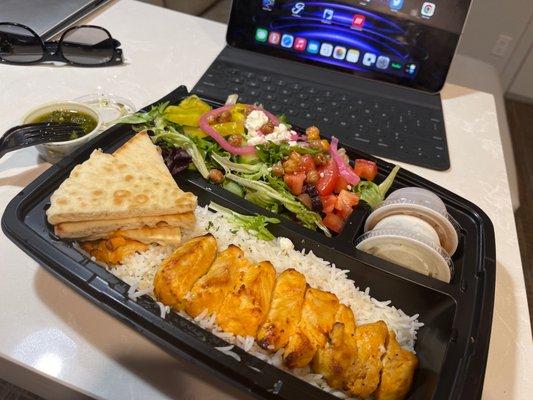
[104,187]
[73,230]
[141,153]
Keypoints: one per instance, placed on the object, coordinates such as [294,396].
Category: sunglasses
[85,45]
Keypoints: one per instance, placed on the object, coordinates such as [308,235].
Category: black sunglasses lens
[18,44]
[88,46]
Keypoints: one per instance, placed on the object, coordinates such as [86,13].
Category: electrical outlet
[502,45]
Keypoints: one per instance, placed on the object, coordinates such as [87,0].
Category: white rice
[139,269]
[227,350]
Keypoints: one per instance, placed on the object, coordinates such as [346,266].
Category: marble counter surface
[47,328]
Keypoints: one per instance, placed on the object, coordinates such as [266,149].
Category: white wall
[490,18]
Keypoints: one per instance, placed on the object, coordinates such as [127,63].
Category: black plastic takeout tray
[452,345]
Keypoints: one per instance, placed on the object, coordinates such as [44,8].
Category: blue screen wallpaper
[333,23]
[407,42]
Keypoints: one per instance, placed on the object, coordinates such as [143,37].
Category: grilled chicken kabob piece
[317,319]
[178,273]
[399,366]
[335,359]
[363,377]
[210,290]
[285,311]
[246,306]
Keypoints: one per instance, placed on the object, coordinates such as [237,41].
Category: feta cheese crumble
[255,120]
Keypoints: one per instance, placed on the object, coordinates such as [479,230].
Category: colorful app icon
[383,62]
[287,40]
[300,44]
[326,49]
[298,8]
[339,53]
[428,9]
[313,47]
[274,38]
[261,35]
[328,14]
[369,59]
[268,5]
[410,68]
[352,56]
[396,65]
[358,21]
[396,5]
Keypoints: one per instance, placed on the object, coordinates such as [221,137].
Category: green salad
[259,157]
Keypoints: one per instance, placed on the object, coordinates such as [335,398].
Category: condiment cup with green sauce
[67,111]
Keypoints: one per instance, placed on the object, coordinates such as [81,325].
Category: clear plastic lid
[410,250]
[108,106]
[420,196]
[423,204]
[410,224]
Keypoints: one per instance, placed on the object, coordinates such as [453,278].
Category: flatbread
[106,188]
[142,154]
[75,230]
[164,236]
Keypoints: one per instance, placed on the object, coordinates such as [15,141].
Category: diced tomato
[333,222]
[328,178]
[341,184]
[345,203]
[345,213]
[328,203]
[295,182]
[350,198]
[307,163]
[366,169]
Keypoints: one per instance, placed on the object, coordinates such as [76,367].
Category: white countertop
[47,328]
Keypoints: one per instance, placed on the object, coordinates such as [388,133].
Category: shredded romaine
[253,224]
[276,191]
[374,194]
[153,117]
[251,171]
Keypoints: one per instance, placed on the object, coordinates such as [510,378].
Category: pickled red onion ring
[344,170]
[208,129]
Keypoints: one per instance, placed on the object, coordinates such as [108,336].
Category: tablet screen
[407,42]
